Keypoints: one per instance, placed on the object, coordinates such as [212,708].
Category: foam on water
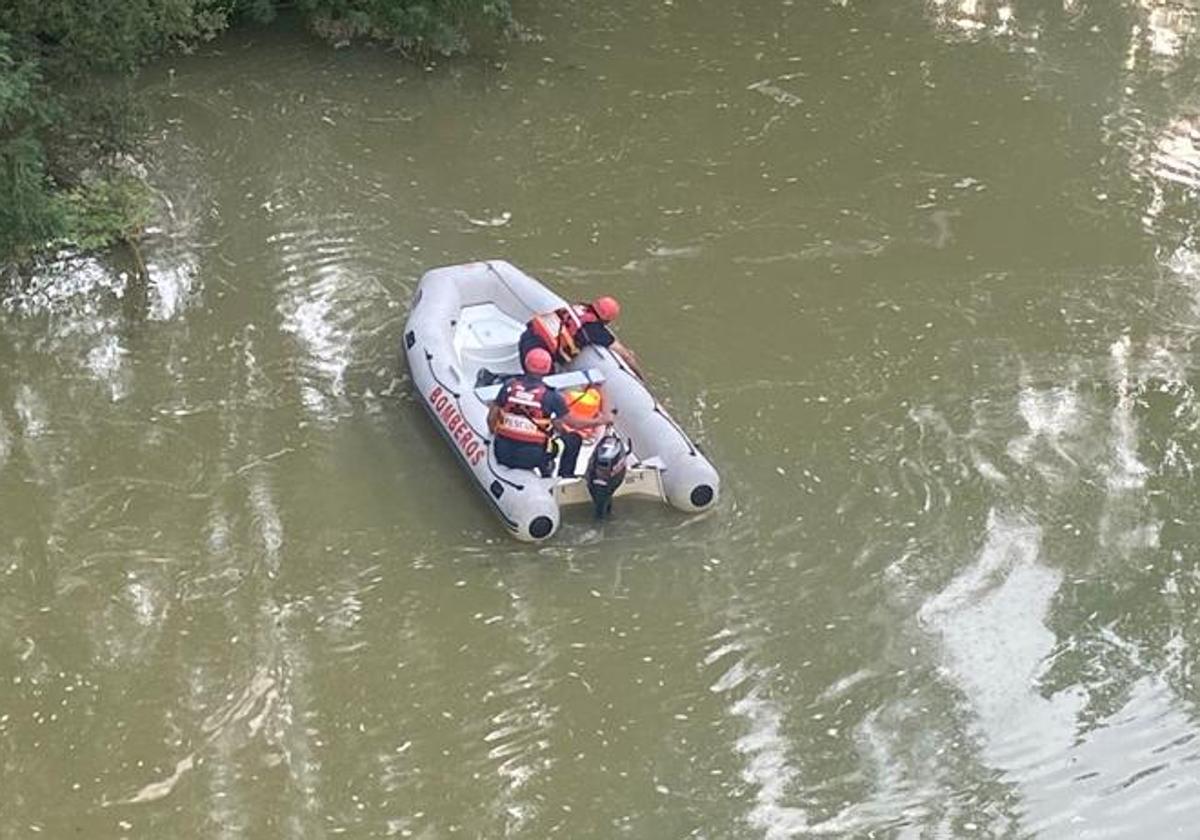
[1127,471]
[322,301]
[32,412]
[5,441]
[105,362]
[84,301]
[79,299]
[1184,263]
[171,288]
[74,287]
[267,522]
[327,347]
[1052,416]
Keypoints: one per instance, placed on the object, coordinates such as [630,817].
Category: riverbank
[72,126]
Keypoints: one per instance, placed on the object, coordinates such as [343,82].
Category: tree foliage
[27,211]
[77,37]
[67,115]
[416,26]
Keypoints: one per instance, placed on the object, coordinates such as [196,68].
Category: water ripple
[518,734]
[991,624]
[764,750]
[328,300]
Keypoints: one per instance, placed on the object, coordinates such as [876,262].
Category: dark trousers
[531,456]
[570,454]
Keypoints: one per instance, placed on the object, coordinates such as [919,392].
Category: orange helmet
[606,308]
[583,403]
[538,361]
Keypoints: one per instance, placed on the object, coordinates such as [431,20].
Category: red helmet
[538,361]
[606,308]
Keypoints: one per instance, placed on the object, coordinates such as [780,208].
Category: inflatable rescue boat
[461,341]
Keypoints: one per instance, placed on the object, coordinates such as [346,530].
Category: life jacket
[522,417]
[559,329]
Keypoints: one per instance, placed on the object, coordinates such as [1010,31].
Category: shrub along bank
[69,121]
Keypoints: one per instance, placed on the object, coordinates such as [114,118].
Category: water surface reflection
[924,280]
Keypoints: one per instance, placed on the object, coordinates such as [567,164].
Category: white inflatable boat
[466,319]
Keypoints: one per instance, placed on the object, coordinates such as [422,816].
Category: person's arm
[628,356]
[603,335]
[560,424]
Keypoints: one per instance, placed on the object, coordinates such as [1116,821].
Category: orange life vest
[558,330]
[522,417]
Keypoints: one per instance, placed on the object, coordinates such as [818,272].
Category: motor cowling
[606,471]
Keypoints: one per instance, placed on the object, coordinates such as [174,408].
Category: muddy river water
[922,277]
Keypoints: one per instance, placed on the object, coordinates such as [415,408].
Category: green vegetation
[102,211]
[66,114]
[414,26]
[68,119]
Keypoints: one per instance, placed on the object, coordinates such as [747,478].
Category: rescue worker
[527,417]
[564,332]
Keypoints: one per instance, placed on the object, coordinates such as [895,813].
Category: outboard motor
[605,472]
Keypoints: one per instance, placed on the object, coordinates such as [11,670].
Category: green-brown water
[923,279]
